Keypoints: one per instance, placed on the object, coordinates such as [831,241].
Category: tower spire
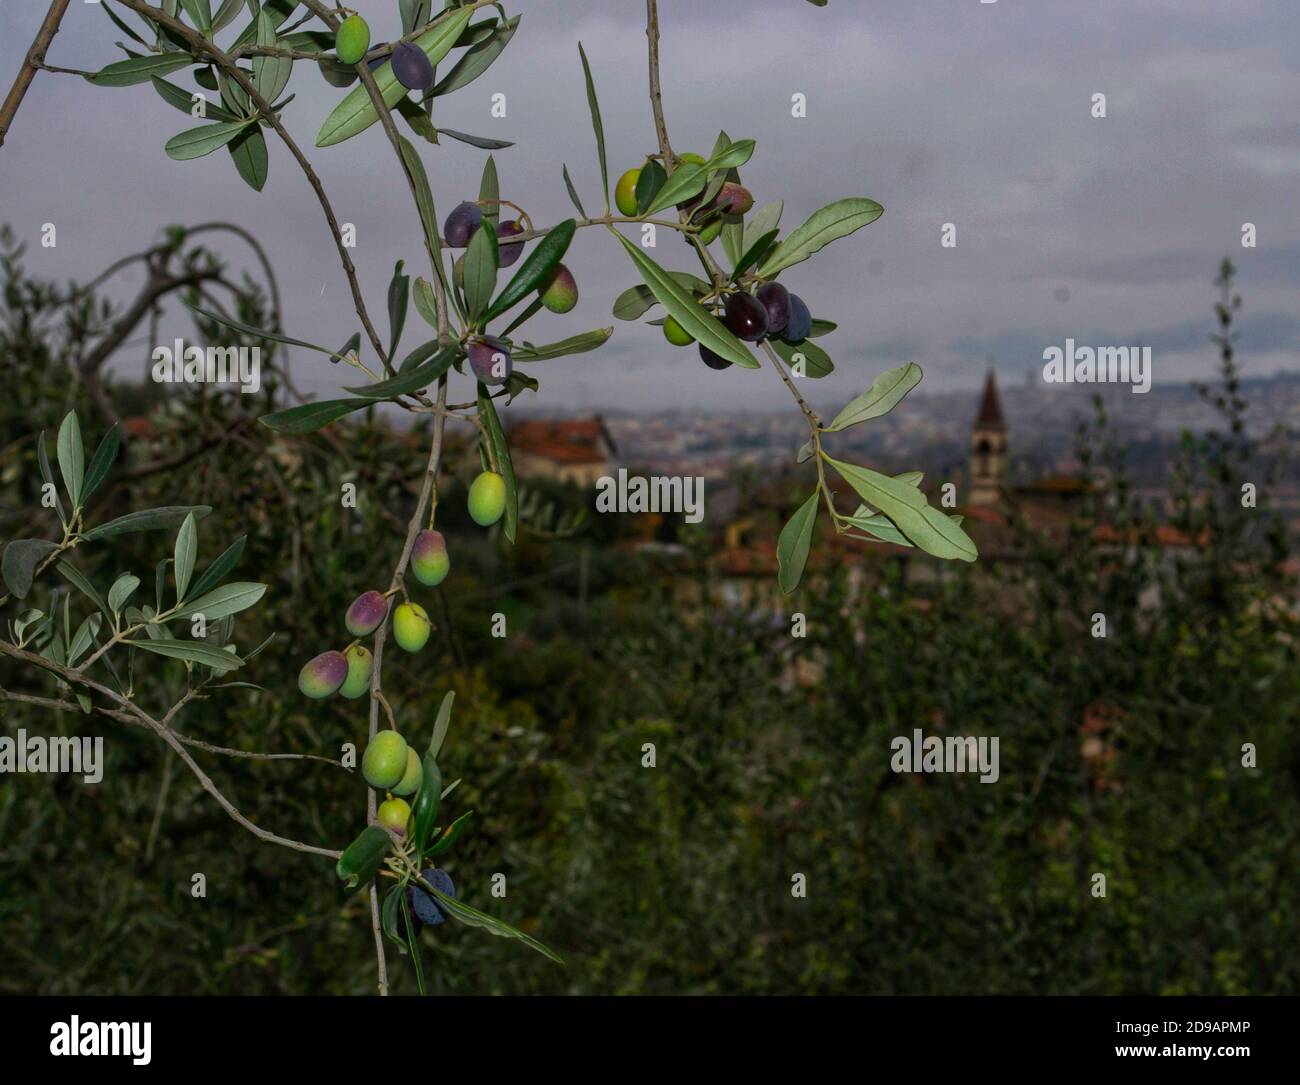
[990,412]
[988,447]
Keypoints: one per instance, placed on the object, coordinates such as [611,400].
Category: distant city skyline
[1105,230]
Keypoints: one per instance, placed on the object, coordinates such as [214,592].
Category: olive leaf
[577,344]
[200,13]
[478,58]
[488,413]
[879,526]
[310,417]
[146,520]
[224,563]
[482,259]
[685,181]
[18,565]
[762,221]
[754,253]
[805,358]
[74,576]
[259,333]
[184,101]
[536,267]
[424,203]
[357,111]
[127,73]
[362,858]
[794,542]
[248,151]
[482,142]
[101,462]
[734,155]
[121,591]
[425,302]
[410,380]
[596,124]
[573,192]
[449,836]
[197,142]
[442,722]
[43,463]
[906,506]
[192,651]
[472,917]
[833,221]
[489,192]
[399,294]
[427,800]
[683,307]
[71,456]
[885,393]
[640,299]
[648,184]
[223,601]
[270,73]
[187,549]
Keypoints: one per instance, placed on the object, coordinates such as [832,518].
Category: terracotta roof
[1059,484]
[140,426]
[990,412]
[1165,535]
[575,440]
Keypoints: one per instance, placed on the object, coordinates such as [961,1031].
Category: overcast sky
[1105,230]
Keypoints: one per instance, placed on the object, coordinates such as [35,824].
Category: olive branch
[722,312]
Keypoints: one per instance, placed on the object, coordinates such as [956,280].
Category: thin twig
[31,64]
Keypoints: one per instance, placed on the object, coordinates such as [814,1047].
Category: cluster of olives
[348,672]
[391,766]
[771,310]
[490,357]
[411,65]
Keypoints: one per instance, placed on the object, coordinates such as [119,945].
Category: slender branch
[171,738]
[656,96]
[31,64]
[199,44]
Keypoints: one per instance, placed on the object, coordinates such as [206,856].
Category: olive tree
[735,307]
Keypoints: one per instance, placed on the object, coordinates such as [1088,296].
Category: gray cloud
[972,114]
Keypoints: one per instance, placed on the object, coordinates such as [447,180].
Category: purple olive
[412,67]
[800,322]
[366,614]
[712,360]
[508,254]
[490,360]
[732,199]
[323,675]
[776,300]
[461,224]
[746,317]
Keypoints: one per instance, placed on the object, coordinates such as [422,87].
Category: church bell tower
[988,445]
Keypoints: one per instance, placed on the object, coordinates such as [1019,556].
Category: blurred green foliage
[675,879]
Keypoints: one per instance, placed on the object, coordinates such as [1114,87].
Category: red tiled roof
[1165,535]
[564,441]
[140,426]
